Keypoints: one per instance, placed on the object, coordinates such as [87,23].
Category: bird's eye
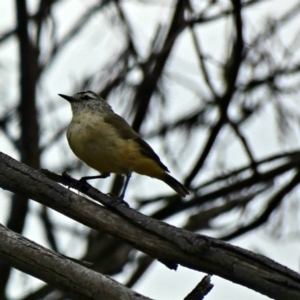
[86,97]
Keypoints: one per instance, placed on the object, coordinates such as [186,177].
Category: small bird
[108,144]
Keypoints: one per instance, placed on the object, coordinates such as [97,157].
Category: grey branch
[201,290]
[157,239]
[56,269]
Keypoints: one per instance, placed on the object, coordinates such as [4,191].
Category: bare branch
[272,204]
[168,244]
[201,290]
[59,271]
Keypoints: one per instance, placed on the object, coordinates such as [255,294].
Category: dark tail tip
[176,185]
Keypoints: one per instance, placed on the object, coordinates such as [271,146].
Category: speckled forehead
[80,95]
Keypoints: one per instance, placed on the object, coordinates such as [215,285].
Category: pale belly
[102,149]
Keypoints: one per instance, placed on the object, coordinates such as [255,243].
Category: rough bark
[166,243]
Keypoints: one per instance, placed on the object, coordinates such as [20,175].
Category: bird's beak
[68,98]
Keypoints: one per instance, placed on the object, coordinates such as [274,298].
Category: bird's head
[86,100]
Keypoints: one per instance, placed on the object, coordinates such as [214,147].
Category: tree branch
[56,269]
[168,244]
[201,290]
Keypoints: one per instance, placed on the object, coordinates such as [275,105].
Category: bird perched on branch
[108,144]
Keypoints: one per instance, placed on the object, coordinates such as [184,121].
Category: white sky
[159,282]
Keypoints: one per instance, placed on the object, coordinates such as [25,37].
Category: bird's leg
[128,176]
[83,180]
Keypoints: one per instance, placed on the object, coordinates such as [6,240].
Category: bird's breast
[100,146]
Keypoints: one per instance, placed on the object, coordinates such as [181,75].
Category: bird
[107,143]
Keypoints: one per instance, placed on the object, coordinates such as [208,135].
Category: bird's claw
[118,200]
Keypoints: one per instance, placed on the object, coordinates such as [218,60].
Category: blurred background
[213,86]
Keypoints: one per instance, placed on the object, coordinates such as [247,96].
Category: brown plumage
[108,144]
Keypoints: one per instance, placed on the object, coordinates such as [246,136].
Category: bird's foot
[77,185]
[117,200]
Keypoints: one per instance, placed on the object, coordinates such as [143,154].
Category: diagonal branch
[263,179]
[166,243]
[202,63]
[59,271]
[201,290]
[273,203]
[246,146]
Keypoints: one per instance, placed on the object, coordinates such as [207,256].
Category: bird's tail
[175,185]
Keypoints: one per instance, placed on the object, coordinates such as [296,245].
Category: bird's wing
[123,128]
[148,151]
[128,133]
